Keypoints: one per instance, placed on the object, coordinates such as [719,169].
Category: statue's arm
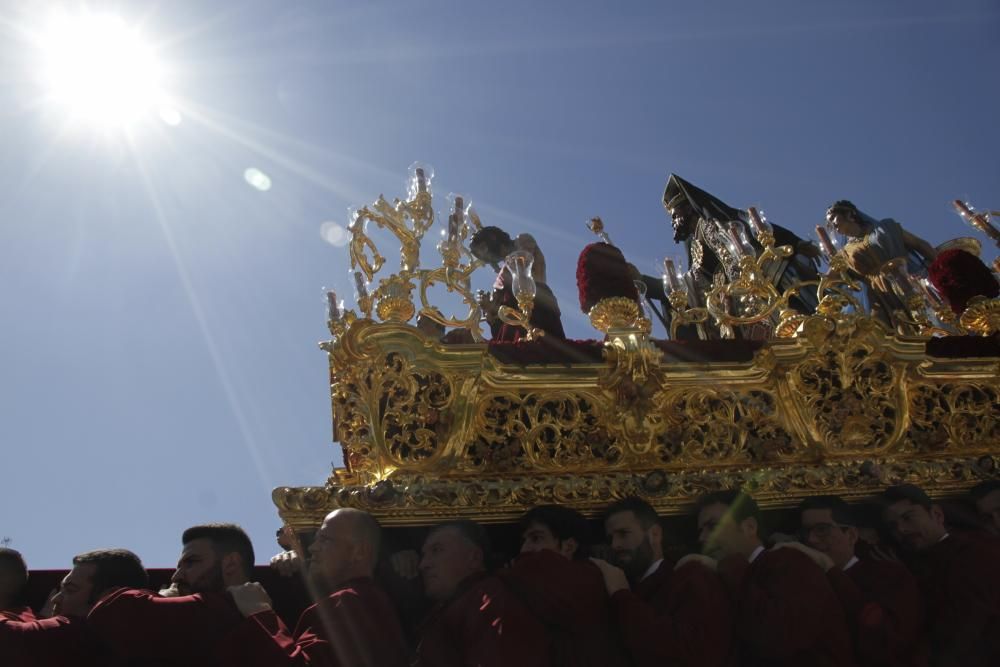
[916,244]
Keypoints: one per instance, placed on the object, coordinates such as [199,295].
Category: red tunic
[884,612]
[484,625]
[787,612]
[569,598]
[681,617]
[18,614]
[960,580]
[355,626]
[141,627]
[46,642]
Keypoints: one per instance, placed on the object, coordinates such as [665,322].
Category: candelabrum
[980,222]
[752,292]
[912,318]
[676,287]
[523,285]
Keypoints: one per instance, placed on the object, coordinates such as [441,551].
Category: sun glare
[99,69]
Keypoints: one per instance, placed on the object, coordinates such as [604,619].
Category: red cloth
[18,614]
[787,612]
[484,625]
[544,315]
[885,612]
[139,627]
[569,598]
[47,642]
[678,617]
[960,581]
[355,626]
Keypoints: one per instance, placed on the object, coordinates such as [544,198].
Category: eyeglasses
[819,530]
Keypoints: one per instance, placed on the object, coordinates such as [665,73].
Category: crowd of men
[835,596]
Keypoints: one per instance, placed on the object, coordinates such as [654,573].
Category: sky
[158,355]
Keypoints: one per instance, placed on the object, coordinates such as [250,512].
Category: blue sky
[158,359]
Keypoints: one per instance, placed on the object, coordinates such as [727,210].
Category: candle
[421,180]
[670,275]
[758,223]
[825,242]
[931,293]
[978,221]
[359,283]
[332,311]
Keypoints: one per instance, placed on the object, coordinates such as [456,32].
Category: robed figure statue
[715,236]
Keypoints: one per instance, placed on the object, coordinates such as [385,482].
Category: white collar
[652,568]
[851,563]
[755,553]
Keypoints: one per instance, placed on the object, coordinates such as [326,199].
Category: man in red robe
[883,603]
[958,577]
[62,639]
[13,582]
[185,624]
[354,626]
[564,589]
[787,612]
[668,614]
[477,621]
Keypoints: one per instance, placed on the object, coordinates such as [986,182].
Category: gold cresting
[834,403]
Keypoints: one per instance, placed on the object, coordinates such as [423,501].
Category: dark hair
[563,522]
[741,505]
[490,244]
[842,205]
[114,568]
[13,560]
[910,492]
[226,538]
[840,511]
[470,531]
[983,489]
[642,510]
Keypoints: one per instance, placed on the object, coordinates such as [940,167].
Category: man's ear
[569,547]
[937,514]
[749,527]
[852,535]
[232,566]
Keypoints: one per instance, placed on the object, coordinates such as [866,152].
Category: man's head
[827,524]
[452,552]
[683,217]
[94,574]
[844,217]
[635,536]
[491,245]
[555,528]
[914,521]
[346,547]
[13,578]
[215,556]
[986,496]
[728,524]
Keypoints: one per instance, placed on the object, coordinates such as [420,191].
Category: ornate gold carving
[981,316]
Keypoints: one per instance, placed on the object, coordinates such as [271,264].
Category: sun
[98,69]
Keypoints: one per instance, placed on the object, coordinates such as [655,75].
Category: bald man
[354,626]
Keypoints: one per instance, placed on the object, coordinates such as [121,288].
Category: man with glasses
[881,598]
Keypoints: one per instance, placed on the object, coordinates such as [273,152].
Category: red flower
[602,272]
[959,275]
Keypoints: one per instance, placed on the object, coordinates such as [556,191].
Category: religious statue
[871,245]
[491,245]
[715,236]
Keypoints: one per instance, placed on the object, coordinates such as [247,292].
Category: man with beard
[668,614]
[957,575]
[13,582]
[714,236]
[184,625]
[563,588]
[62,639]
[881,598]
[786,610]
[354,626]
[478,620]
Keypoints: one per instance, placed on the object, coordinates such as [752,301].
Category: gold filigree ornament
[981,316]
[616,312]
